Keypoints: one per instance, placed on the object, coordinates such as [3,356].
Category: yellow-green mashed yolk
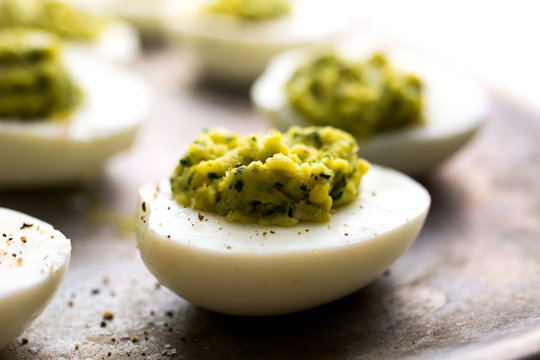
[363,98]
[277,179]
[252,9]
[56,16]
[33,82]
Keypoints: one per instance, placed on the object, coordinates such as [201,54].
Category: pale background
[495,40]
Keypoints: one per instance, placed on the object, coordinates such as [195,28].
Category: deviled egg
[61,114]
[83,29]
[267,225]
[234,39]
[33,260]
[431,111]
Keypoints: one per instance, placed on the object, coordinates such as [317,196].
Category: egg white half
[455,109]
[254,270]
[118,42]
[33,260]
[47,152]
[236,51]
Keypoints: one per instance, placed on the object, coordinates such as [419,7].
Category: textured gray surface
[468,288]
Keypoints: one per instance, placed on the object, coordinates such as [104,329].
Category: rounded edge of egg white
[26,292]
[37,153]
[253,270]
[455,106]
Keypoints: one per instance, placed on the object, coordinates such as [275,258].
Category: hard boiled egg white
[455,108]
[33,260]
[236,51]
[118,42]
[254,270]
[46,152]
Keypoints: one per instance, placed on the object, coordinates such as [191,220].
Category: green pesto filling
[55,16]
[256,10]
[273,179]
[33,82]
[363,98]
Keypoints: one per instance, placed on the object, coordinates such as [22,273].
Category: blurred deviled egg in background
[234,39]
[62,114]
[83,28]
[407,112]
